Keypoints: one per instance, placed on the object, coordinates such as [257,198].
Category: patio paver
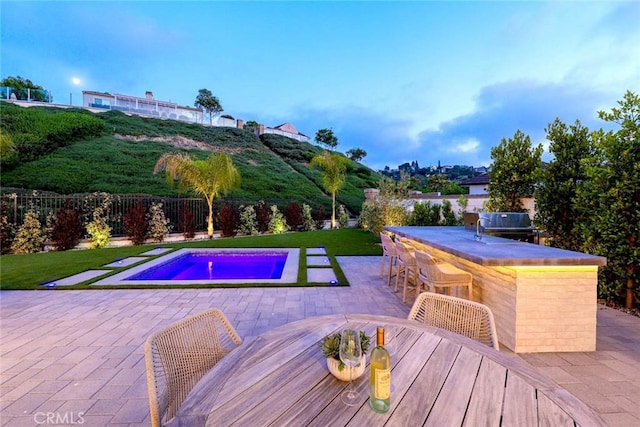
[125,262]
[79,278]
[80,352]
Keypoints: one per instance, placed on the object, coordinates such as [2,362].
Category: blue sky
[419,80]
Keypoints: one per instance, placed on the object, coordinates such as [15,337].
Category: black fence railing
[15,205]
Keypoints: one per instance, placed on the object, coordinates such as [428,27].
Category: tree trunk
[333,210]
[210,220]
[630,286]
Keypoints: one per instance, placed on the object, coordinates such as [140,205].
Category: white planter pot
[343,375]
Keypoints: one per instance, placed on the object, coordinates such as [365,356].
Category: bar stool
[407,268]
[388,251]
[435,274]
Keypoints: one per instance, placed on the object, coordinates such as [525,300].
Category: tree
[437,182]
[20,86]
[611,200]
[334,173]
[252,126]
[208,103]
[326,137]
[555,197]
[356,154]
[207,178]
[515,170]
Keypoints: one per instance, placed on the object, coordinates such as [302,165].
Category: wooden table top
[439,379]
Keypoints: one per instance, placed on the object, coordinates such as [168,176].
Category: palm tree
[208,178]
[334,172]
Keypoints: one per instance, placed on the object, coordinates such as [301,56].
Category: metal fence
[25,94]
[15,205]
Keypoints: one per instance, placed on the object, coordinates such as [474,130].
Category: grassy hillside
[119,158]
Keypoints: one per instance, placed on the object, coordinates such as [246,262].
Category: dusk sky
[419,80]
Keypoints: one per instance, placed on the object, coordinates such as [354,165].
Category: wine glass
[390,340]
[350,354]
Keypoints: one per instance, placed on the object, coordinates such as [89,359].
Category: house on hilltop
[285,129]
[150,107]
[477,184]
[147,106]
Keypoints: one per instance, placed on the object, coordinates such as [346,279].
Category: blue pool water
[218,266]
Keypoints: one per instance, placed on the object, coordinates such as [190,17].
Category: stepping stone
[318,261]
[316,251]
[77,278]
[157,251]
[125,262]
[321,275]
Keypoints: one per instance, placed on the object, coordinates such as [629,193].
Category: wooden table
[281,378]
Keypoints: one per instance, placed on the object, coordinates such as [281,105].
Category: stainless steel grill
[510,225]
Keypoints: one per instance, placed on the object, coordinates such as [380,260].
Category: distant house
[477,184]
[147,106]
[288,130]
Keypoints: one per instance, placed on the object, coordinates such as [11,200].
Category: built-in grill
[510,225]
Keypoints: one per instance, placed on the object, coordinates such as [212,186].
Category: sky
[426,81]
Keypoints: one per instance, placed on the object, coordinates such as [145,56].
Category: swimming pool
[211,266]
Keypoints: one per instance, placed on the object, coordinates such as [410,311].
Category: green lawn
[31,271]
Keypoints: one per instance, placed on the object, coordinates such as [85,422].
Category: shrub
[159,227]
[186,223]
[343,217]
[67,227]
[371,217]
[248,221]
[448,214]
[136,225]
[319,217]
[263,216]
[293,215]
[277,224]
[31,235]
[37,132]
[7,229]
[463,203]
[227,218]
[98,229]
[423,214]
[308,224]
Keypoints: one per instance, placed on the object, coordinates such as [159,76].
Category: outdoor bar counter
[543,299]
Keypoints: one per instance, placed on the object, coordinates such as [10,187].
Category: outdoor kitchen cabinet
[543,299]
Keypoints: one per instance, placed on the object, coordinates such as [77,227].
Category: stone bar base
[537,308]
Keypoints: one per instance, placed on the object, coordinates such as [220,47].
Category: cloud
[504,108]
[500,110]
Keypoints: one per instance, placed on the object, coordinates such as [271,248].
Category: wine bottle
[380,382]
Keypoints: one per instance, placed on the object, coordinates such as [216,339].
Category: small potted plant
[331,349]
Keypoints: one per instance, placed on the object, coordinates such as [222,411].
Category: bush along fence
[28,220]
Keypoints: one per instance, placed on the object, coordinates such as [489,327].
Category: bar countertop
[494,251]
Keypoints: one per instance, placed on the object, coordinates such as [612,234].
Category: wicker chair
[178,356]
[407,269]
[434,274]
[388,251]
[468,318]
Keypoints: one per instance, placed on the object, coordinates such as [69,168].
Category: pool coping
[289,273]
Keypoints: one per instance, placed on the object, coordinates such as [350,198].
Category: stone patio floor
[76,357]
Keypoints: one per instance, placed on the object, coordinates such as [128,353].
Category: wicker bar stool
[434,274]
[388,251]
[407,268]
